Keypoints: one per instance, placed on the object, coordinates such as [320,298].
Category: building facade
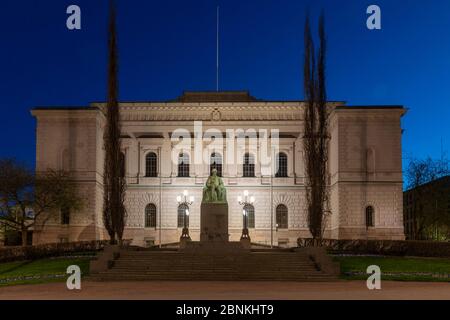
[365,185]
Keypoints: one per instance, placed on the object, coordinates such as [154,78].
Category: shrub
[8,254]
[383,247]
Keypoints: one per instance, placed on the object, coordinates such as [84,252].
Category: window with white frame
[249,165]
[151,165]
[250,211]
[282,165]
[282,216]
[150,216]
[182,214]
[183,165]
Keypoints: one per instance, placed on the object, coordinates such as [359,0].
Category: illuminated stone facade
[364,165]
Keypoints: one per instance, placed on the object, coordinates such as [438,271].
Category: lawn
[40,271]
[396,268]
[352,268]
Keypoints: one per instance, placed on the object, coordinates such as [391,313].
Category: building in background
[426,212]
[364,164]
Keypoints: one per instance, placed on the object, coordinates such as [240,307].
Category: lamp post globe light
[185,201]
[245,202]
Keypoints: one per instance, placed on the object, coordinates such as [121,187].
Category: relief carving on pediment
[216,115]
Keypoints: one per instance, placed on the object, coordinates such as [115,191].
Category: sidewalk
[171,290]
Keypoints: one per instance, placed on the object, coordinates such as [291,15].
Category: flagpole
[217,51]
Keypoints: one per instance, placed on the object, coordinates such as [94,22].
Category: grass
[352,268]
[396,268]
[40,271]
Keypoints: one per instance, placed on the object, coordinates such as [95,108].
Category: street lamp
[245,202]
[185,202]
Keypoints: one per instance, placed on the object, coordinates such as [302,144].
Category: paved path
[172,290]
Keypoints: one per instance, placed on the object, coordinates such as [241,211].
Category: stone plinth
[246,243]
[214,222]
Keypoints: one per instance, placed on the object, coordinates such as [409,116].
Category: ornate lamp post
[245,201]
[183,201]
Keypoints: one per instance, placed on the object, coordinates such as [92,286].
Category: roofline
[215,91]
[39,108]
[343,107]
[443,178]
[371,107]
[209,102]
[93,107]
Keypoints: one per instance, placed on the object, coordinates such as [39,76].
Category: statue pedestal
[245,242]
[184,238]
[214,222]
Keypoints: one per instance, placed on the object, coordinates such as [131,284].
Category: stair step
[133,278]
[179,266]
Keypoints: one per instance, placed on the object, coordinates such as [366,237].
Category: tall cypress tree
[114,213]
[316,136]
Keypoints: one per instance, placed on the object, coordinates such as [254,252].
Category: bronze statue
[215,191]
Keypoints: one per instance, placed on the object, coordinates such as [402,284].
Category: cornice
[220,111]
[215,112]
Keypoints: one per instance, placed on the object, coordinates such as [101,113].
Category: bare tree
[114,213]
[429,194]
[316,136]
[28,200]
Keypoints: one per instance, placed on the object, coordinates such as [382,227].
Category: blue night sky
[169,46]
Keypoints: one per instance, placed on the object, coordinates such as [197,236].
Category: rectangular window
[150,216]
[183,165]
[248,166]
[182,215]
[249,170]
[151,163]
[65,216]
[282,163]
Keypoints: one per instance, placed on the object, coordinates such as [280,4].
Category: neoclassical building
[365,185]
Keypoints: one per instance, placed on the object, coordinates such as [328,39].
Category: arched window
[369,216]
[282,165]
[151,165]
[282,216]
[150,216]
[182,215]
[122,165]
[65,215]
[216,163]
[250,216]
[249,165]
[183,165]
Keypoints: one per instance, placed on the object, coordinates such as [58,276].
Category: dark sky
[169,46]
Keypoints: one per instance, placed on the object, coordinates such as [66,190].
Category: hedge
[8,254]
[382,247]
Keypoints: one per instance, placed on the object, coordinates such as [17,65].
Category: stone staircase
[273,265]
